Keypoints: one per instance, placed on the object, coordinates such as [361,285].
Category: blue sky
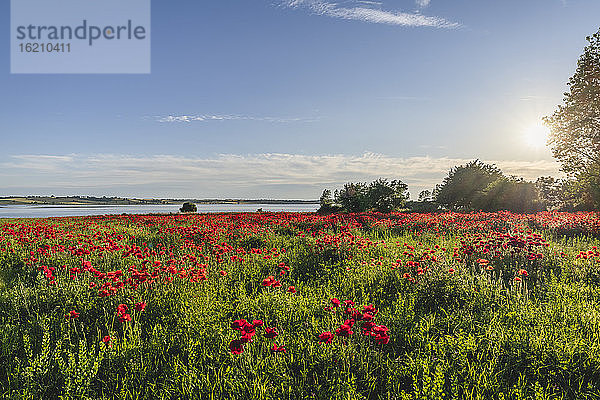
[282,98]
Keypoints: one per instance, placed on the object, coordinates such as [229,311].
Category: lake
[46,211]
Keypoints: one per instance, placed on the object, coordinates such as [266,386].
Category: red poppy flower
[278,349]
[249,329]
[367,327]
[344,331]
[140,306]
[367,317]
[72,314]
[122,308]
[239,324]
[257,322]
[106,339]
[326,337]
[125,318]
[335,302]
[246,337]
[382,339]
[268,281]
[223,273]
[236,347]
[380,330]
[292,289]
[380,334]
[270,333]
[370,309]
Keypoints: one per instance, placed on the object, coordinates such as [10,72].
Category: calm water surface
[46,211]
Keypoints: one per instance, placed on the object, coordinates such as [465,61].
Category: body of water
[47,211]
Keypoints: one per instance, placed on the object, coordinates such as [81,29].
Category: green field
[239,306]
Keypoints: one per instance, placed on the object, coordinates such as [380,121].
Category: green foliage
[464,184]
[574,126]
[327,205]
[425,195]
[353,197]
[188,207]
[380,195]
[478,186]
[387,196]
[509,194]
[422,206]
[564,194]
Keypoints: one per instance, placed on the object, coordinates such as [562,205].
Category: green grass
[470,334]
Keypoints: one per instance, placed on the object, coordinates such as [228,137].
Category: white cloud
[37,162]
[362,11]
[271,175]
[205,118]
[423,3]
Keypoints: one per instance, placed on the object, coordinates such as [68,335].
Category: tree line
[471,187]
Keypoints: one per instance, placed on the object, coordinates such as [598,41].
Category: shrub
[188,207]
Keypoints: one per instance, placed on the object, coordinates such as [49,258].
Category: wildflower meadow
[301,306]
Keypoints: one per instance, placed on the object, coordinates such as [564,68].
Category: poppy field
[301,306]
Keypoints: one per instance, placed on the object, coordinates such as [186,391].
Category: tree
[563,194]
[550,192]
[575,125]
[464,183]
[387,196]
[380,195]
[326,200]
[509,193]
[353,197]
[425,195]
[188,207]
[327,204]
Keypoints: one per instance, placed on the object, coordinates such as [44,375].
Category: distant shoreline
[77,201]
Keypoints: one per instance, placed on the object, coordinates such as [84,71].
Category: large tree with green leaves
[509,193]
[464,184]
[385,196]
[353,197]
[575,125]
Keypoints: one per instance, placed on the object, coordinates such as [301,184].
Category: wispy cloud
[533,98]
[272,175]
[423,3]
[206,118]
[370,12]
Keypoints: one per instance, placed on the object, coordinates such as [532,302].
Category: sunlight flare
[536,135]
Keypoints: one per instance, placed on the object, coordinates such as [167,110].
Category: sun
[536,135]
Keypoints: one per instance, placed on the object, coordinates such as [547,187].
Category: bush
[188,207]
